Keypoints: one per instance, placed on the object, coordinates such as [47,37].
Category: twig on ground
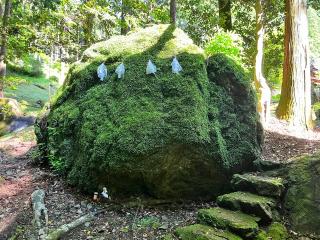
[64,229]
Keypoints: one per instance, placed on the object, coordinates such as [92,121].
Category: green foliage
[147,127]
[31,92]
[314,33]
[146,222]
[276,98]
[244,24]
[199,19]
[273,63]
[30,65]
[227,43]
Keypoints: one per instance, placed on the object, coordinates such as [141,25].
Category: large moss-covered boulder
[168,135]
[302,200]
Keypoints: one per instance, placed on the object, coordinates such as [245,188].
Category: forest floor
[19,178]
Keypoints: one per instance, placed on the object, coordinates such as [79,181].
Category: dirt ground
[116,221]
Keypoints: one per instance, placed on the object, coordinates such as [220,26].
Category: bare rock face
[165,135]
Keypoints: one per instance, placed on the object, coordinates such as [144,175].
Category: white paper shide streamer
[102,72]
[151,68]
[120,70]
[176,67]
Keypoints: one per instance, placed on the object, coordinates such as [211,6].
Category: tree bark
[295,101]
[124,26]
[263,90]
[173,11]
[3,47]
[225,17]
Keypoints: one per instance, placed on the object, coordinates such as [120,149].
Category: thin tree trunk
[225,17]
[124,26]
[3,47]
[295,101]
[173,11]
[263,90]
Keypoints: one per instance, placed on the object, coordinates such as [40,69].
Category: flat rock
[239,223]
[202,232]
[249,203]
[267,186]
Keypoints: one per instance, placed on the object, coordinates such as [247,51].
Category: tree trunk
[263,90]
[124,26]
[225,17]
[88,29]
[295,101]
[173,11]
[3,47]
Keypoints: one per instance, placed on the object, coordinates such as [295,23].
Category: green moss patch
[267,186]
[202,232]
[249,203]
[303,194]
[237,222]
[277,231]
[166,136]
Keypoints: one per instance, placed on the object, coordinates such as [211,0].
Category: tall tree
[124,29]
[295,101]
[3,47]
[225,17]
[263,90]
[173,11]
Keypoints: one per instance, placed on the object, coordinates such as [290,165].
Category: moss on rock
[303,194]
[202,232]
[168,136]
[267,186]
[237,222]
[277,231]
[249,203]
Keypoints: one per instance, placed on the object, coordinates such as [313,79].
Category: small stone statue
[102,72]
[120,70]
[39,208]
[176,67]
[104,195]
[151,68]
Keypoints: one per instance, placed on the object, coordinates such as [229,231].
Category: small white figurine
[102,72]
[105,194]
[151,68]
[176,67]
[120,70]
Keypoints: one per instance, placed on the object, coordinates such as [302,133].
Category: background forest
[45,36]
[223,148]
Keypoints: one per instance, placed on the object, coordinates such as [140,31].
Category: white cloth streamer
[120,70]
[151,68]
[102,72]
[176,67]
